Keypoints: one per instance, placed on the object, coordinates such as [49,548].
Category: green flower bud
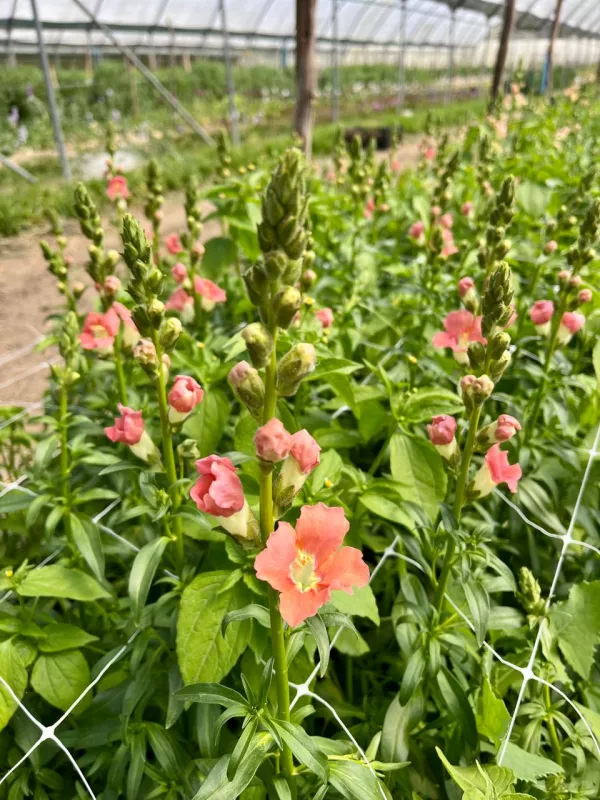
[248,387]
[476,354]
[530,593]
[274,264]
[257,285]
[145,354]
[170,331]
[295,365]
[497,299]
[284,208]
[498,367]
[188,449]
[287,303]
[259,343]
[156,309]
[500,342]
[46,250]
[475,391]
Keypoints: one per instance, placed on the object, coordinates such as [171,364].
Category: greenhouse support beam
[17,169]
[233,112]
[305,71]
[170,98]
[54,114]
[507,28]
[335,73]
[402,56]
[553,32]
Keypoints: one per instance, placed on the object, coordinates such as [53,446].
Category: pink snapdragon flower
[460,328]
[449,249]
[184,396]
[503,429]
[179,272]
[584,296]
[429,153]
[304,456]
[466,208]
[442,434]
[173,244]
[369,208]
[325,317]
[209,292]
[129,429]
[550,247]
[218,492]
[570,323]
[540,314]
[272,441]
[495,470]
[447,221]
[307,563]
[396,165]
[112,285]
[416,230]
[117,188]
[100,330]
[467,291]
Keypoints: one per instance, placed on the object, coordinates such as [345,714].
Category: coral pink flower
[466,208]
[449,250]
[541,312]
[466,286]
[447,221]
[550,247]
[460,328]
[369,208]
[416,230]
[178,300]
[494,471]
[436,211]
[584,296]
[173,244]
[305,451]
[99,330]
[442,429]
[325,317]
[198,249]
[179,272]
[210,293]
[128,428]
[218,490]
[306,564]
[185,395]
[117,188]
[506,427]
[112,285]
[429,153]
[272,441]
[396,166]
[570,323]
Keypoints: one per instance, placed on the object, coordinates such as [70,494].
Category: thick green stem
[168,452]
[64,444]
[554,740]
[119,367]
[267,523]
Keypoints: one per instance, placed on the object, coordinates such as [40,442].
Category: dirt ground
[28,293]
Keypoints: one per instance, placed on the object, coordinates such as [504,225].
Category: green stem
[554,740]
[64,444]
[267,524]
[119,366]
[168,452]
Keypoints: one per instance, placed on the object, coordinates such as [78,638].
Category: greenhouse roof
[268,23]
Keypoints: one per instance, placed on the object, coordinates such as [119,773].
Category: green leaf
[61,677]
[217,787]
[493,717]
[212,694]
[208,422]
[398,723]
[479,606]
[533,198]
[142,574]
[44,452]
[473,779]
[361,603]
[576,624]
[424,404]
[86,536]
[529,766]
[417,467]
[205,655]
[303,747]
[330,469]
[355,781]
[63,636]
[241,747]
[14,501]
[37,505]
[319,632]
[15,674]
[55,580]
[220,252]
[592,718]
[252,611]
[596,362]
[386,506]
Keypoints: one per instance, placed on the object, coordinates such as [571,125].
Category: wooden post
[507,26]
[305,71]
[555,24]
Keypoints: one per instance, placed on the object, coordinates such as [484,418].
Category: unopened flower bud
[584,296]
[112,258]
[259,343]
[575,281]
[550,247]
[293,367]
[188,449]
[287,303]
[272,441]
[309,276]
[257,284]
[112,285]
[476,354]
[275,264]
[475,391]
[498,367]
[78,289]
[530,593]
[145,354]
[156,309]
[170,331]
[442,435]
[248,387]
[500,342]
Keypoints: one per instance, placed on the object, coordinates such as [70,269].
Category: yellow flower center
[98,331]
[302,571]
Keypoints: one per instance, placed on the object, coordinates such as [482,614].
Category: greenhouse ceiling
[197,24]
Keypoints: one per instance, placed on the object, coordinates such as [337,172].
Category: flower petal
[296,606]
[345,569]
[442,339]
[273,563]
[321,530]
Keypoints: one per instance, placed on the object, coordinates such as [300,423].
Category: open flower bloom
[218,491]
[129,429]
[272,441]
[325,317]
[117,188]
[540,314]
[442,435]
[503,429]
[173,244]
[99,330]
[369,208]
[179,272]
[416,230]
[307,563]
[495,470]
[460,328]
[209,292]
[304,456]
[447,220]
[184,396]
[570,323]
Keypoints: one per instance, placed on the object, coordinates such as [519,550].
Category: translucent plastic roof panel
[197,23]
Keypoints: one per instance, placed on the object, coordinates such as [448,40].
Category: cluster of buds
[358,173]
[495,246]
[381,187]
[223,153]
[102,263]
[582,252]
[154,199]
[194,226]
[530,596]
[497,312]
[145,287]
[442,194]
[58,266]
[485,158]
[66,374]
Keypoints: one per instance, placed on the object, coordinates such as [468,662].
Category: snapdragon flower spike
[173,244]
[183,302]
[570,323]
[460,328]
[129,429]
[307,563]
[218,492]
[442,435]
[179,272]
[185,394]
[325,317]
[503,429]
[100,330]
[272,441]
[304,456]
[540,314]
[495,470]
